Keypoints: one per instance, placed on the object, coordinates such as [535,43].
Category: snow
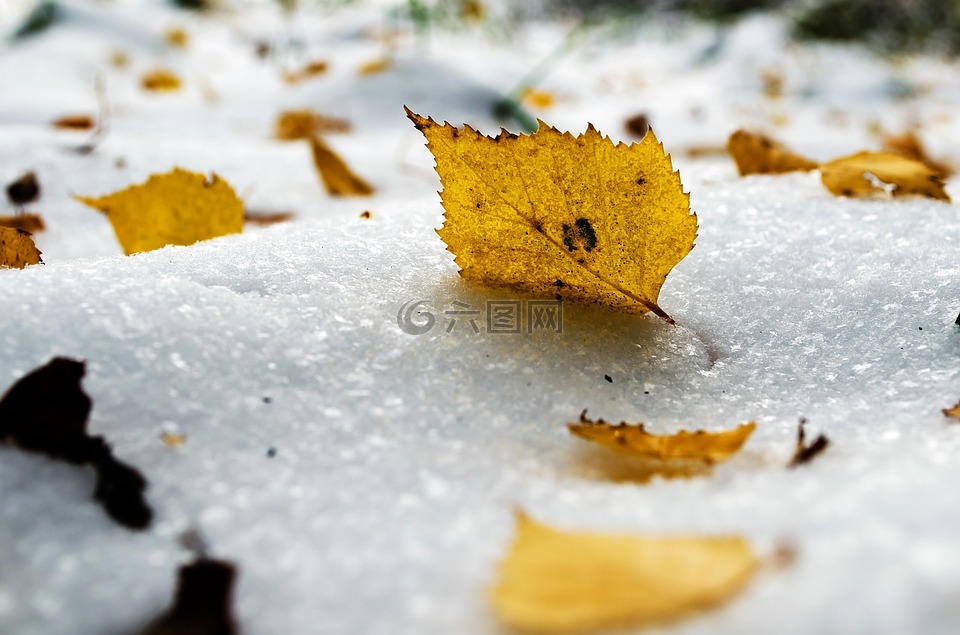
[399,458]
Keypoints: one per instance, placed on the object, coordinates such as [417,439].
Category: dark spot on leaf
[582,234]
[568,238]
[765,143]
[203,601]
[560,284]
[806,453]
[641,181]
[46,412]
[586,231]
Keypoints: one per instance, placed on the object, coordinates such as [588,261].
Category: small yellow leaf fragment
[709,447]
[338,179]
[293,125]
[952,412]
[755,153]
[176,208]
[309,70]
[177,37]
[553,215]
[870,174]
[74,122]
[375,67]
[541,99]
[17,249]
[554,581]
[160,80]
[172,439]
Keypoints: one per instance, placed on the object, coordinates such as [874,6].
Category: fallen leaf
[637,125]
[805,453]
[25,189]
[555,581]
[32,223]
[538,98]
[312,69]
[755,153]
[177,37]
[868,174]
[909,145]
[708,447]
[366,214]
[176,208]
[74,122]
[266,218]
[953,412]
[17,249]
[374,67]
[293,125]
[46,411]
[337,178]
[172,439]
[202,603]
[160,80]
[554,215]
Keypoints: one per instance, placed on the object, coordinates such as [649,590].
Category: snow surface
[399,458]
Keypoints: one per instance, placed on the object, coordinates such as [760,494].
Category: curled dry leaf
[637,125]
[954,411]
[74,122]
[555,581]
[32,223]
[338,179]
[869,174]
[160,80]
[17,249]
[708,447]
[25,189]
[804,453]
[909,145]
[176,208]
[553,215]
[755,153]
[293,125]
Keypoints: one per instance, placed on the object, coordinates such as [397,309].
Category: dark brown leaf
[805,453]
[25,189]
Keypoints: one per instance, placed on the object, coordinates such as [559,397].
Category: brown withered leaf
[17,249]
[308,71]
[872,174]
[338,179]
[805,453]
[74,122]
[266,218]
[637,125]
[554,581]
[293,125]
[910,146]
[954,411]
[203,602]
[32,223]
[24,189]
[46,412]
[160,80]
[708,447]
[755,153]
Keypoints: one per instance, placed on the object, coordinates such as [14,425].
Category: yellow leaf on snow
[176,208]
[293,125]
[32,223]
[160,80]
[755,153]
[953,412]
[338,179]
[554,581]
[867,174]
[554,215]
[17,249]
[709,447]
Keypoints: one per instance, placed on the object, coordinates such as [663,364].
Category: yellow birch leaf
[952,412]
[554,581]
[160,80]
[709,447]
[868,174]
[374,67]
[755,153]
[553,215]
[176,208]
[293,125]
[909,145]
[17,249]
[336,176]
